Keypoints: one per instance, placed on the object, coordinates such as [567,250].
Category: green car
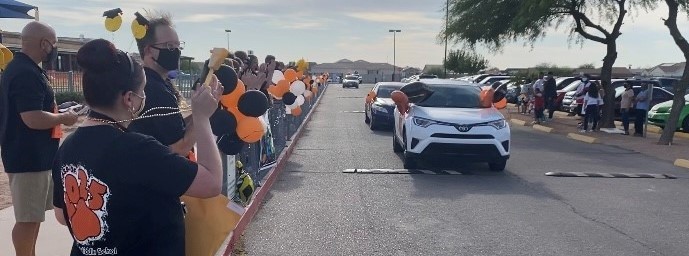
[659,113]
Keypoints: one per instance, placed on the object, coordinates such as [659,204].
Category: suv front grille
[462,136]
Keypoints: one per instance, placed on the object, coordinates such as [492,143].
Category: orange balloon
[370,97]
[401,100]
[296,111]
[274,91]
[290,75]
[300,74]
[231,99]
[282,88]
[250,130]
[237,115]
[486,97]
[501,104]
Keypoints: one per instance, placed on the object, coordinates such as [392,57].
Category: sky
[329,30]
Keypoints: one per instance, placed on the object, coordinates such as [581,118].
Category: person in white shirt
[540,82]
[592,101]
[581,91]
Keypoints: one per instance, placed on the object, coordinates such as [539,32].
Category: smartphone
[202,79]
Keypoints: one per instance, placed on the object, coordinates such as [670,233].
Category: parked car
[451,123]
[379,112]
[427,76]
[660,95]
[350,81]
[660,112]
[478,78]
[568,103]
[562,82]
[493,79]
[562,100]
[667,83]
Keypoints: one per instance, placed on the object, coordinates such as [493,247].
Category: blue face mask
[172,74]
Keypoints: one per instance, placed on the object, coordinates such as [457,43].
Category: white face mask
[584,79]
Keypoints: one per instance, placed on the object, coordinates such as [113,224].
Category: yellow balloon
[113,24]
[5,56]
[138,30]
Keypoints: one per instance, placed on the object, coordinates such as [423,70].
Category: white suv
[451,123]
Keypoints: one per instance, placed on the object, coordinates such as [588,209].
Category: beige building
[370,72]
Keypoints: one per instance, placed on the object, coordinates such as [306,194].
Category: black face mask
[168,59]
[51,57]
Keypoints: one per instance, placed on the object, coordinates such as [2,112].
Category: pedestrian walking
[592,102]
[642,104]
[539,106]
[30,133]
[626,105]
[550,94]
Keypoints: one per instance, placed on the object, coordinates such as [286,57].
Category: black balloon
[230,144]
[289,98]
[222,122]
[416,92]
[253,103]
[498,95]
[228,78]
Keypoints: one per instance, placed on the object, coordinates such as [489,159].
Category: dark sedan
[380,111]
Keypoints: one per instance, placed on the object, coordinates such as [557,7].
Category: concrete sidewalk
[53,239]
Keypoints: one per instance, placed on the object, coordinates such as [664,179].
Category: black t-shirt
[160,93]
[550,88]
[25,87]
[120,193]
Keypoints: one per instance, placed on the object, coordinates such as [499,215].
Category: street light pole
[447,19]
[394,51]
[228,38]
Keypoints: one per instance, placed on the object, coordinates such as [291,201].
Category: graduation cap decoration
[5,56]
[139,26]
[113,19]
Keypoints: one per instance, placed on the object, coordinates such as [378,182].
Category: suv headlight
[379,108]
[499,124]
[423,122]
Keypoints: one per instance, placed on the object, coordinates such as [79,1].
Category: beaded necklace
[98,117]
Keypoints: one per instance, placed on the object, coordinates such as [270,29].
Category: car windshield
[385,91]
[351,78]
[452,96]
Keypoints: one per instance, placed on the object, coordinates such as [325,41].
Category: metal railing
[258,158]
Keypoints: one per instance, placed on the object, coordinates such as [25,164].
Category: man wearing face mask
[30,132]
[160,51]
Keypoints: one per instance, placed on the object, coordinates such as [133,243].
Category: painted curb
[582,138]
[542,128]
[518,122]
[682,163]
[682,135]
[268,182]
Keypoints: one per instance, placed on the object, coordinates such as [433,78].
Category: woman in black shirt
[118,191]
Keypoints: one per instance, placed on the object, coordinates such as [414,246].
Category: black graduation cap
[112,13]
[141,20]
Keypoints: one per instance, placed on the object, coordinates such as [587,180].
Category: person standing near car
[550,93]
[643,102]
[30,133]
[592,101]
[626,106]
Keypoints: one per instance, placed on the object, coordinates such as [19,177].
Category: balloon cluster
[5,56]
[236,121]
[293,88]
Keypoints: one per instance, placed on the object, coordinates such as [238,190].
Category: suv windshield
[351,78]
[452,96]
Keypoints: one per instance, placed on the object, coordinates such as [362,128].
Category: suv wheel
[498,166]
[366,119]
[396,147]
[410,162]
[372,124]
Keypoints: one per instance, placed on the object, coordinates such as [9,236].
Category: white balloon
[298,88]
[288,110]
[277,76]
[308,94]
[264,124]
[300,100]
[293,106]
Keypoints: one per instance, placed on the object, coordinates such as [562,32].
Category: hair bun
[97,56]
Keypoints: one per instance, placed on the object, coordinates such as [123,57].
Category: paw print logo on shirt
[86,199]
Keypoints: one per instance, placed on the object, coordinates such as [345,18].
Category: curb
[582,138]
[682,163]
[654,129]
[271,177]
[682,135]
[518,122]
[542,128]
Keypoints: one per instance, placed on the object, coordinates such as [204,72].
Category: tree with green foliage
[461,61]
[680,88]
[494,23]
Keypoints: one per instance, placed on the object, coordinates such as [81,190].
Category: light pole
[228,38]
[394,51]
[447,19]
